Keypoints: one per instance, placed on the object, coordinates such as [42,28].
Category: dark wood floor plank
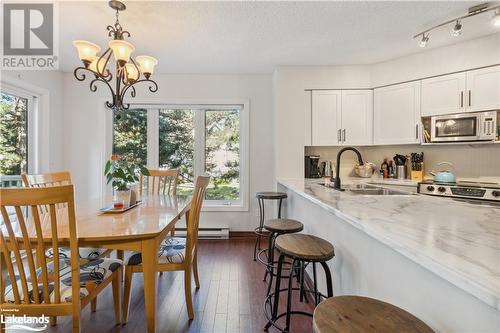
[230,298]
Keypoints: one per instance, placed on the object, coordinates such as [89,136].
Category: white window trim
[154,105]
[38,121]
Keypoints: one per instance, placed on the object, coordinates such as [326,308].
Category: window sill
[224,208]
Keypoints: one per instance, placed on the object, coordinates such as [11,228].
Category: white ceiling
[255,37]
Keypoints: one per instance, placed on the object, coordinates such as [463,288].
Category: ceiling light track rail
[456,31]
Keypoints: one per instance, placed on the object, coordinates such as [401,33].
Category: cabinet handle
[461,99]
[343,135]
[339,138]
[416,131]
[470,98]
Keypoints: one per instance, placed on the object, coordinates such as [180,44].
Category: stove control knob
[430,188]
[441,189]
[496,194]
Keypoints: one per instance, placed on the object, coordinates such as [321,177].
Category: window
[14,115]
[195,139]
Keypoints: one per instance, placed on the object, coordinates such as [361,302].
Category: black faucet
[336,182]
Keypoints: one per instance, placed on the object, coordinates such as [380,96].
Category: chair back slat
[16,250]
[193,216]
[160,181]
[23,232]
[28,248]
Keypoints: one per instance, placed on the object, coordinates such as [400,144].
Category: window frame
[153,107]
[31,130]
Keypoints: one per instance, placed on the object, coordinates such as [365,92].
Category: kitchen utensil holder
[418,175]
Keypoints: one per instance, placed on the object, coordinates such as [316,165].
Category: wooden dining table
[141,228]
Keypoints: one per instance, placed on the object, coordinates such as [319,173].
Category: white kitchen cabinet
[483,89]
[356,118]
[326,105]
[396,116]
[443,94]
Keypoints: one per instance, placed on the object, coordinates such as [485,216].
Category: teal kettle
[444,176]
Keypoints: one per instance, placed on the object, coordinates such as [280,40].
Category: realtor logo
[28,36]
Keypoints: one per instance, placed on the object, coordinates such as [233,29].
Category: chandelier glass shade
[127,71]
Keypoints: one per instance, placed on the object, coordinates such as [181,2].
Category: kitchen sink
[367,189]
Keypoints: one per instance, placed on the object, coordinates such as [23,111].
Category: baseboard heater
[206,233]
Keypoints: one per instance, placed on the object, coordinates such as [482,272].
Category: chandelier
[128,72]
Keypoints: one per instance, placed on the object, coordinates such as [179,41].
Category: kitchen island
[434,257]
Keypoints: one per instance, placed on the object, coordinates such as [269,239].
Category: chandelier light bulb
[97,65]
[147,64]
[121,50]
[496,19]
[87,51]
[424,41]
[132,72]
[457,29]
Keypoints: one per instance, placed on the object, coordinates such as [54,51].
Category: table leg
[149,269]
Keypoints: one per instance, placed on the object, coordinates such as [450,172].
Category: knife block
[418,175]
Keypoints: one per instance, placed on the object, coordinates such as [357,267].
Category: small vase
[134,194]
[121,199]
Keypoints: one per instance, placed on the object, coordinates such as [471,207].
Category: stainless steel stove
[465,190]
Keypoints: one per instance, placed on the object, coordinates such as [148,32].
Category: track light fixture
[457,28]
[424,40]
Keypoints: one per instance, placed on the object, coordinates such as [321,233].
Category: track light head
[496,19]
[457,29]
[424,40]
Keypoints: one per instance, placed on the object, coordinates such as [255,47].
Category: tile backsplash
[469,161]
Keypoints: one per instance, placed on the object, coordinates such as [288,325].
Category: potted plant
[122,175]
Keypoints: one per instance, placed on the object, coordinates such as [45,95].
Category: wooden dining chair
[57,179]
[160,181]
[57,281]
[175,253]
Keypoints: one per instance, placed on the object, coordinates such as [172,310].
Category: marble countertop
[458,241]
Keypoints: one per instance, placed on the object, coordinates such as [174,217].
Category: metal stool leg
[289,300]
[315,285]
[276,292]
[328,279]
[261,225]
[279,208]
[270,256]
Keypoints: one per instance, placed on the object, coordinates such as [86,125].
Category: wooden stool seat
[305,247]
[363,314]
[283,226]
[271,195]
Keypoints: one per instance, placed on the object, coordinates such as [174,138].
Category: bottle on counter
[385,169]
[390,169]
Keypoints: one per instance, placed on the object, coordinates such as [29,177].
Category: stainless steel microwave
[481,126]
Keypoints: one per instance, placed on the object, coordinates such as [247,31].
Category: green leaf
[107,167]
[145,171]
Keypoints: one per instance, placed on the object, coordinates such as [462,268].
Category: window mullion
[199,143]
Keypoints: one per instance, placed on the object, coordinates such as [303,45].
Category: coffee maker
[311,168]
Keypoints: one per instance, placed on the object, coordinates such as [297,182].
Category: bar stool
[261,197]
[276,227]
[363,314]
[302,249]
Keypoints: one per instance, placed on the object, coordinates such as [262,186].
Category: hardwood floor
[230,298]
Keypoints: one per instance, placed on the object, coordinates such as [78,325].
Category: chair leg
[93,305]
[126,293]
[195,271]
[117,286]
[187,291]
[76,322]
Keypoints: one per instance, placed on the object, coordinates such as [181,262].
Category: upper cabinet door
[443,95]
[357,117]
[483,89]
[326,106]
[397,114]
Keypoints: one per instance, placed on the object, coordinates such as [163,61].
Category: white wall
[53,116]
[84,132]
[292,104]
